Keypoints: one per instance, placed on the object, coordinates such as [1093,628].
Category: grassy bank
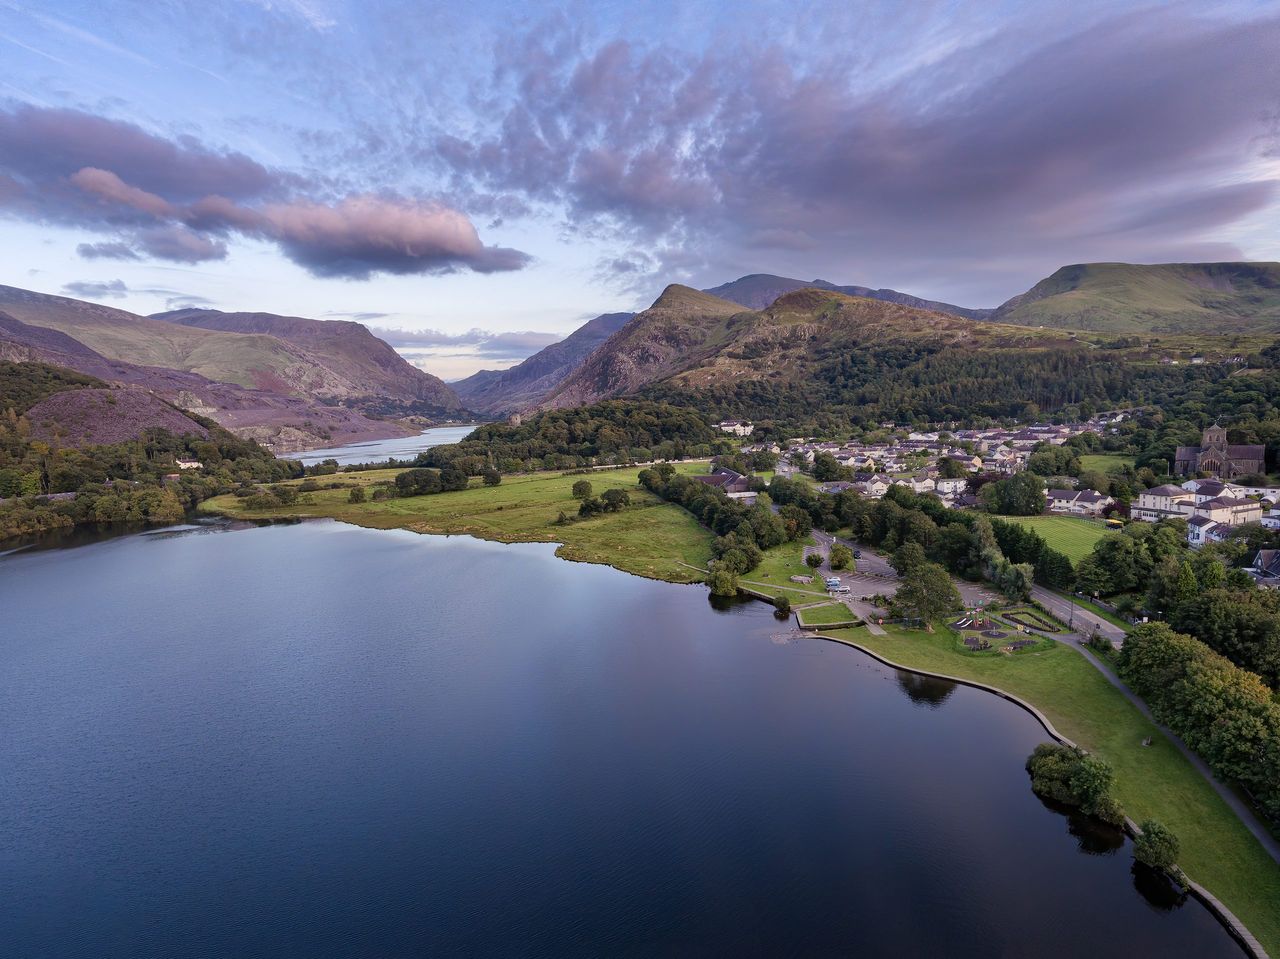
[1071,535]
[826,614]
[649,538]
[1151,781]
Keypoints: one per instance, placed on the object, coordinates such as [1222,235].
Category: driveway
[1083,620]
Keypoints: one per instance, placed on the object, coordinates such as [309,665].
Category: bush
[841,556]
[783,606]
[582,489]
[813,560]
[1157,847]
[492,477]
[722,583]
[356,495]
[1073,777]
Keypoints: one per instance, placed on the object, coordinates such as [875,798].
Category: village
[944,463]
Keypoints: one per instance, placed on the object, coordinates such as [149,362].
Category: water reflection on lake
[318,740]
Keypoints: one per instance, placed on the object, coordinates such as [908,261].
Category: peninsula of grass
[827,614]
[777,565]
[649,538]
[1153,781]
[1071,535]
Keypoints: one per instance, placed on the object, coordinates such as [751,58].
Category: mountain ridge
[757,290]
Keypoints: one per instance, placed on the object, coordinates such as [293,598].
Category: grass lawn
[778,565]
[1071,535]
[1154,781]
[649,538]
[826,614]
[1104,462]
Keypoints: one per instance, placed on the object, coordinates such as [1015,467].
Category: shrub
[1157,847]
[723,583]
[492,477]
[582,489]
[356,495]
[783,606]
[814,560]
[1073,777]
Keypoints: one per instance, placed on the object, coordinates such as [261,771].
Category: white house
[736,427]
[1085,502]
[1163,502]
[188,464]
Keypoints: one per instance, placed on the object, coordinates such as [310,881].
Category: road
[1084,621]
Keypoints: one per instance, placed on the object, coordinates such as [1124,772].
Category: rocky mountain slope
[1162,298]
[284,424]
[682,327]
[366,370]
[757,290]
[527,383]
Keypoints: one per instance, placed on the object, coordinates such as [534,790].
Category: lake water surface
[376,451]
[317,740]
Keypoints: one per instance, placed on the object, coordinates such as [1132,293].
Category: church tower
[1215,438]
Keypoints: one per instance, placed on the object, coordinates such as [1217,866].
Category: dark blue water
[377,451]
[319,741]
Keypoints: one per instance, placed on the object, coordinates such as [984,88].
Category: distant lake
[374,451]
[322,741]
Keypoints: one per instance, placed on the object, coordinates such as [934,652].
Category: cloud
[181,200]
[518,344]
[97,289]
[1138,134]
[107,251]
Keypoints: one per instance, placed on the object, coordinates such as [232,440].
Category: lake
[377,451]
[316,740]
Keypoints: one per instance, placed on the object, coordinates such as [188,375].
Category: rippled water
[317,740]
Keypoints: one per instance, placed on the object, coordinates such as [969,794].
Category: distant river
[322,741]
[374,451]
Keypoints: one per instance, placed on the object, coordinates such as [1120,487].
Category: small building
[185,464]
[1266,567]
[1085,502]
[736,427]
[1163,502]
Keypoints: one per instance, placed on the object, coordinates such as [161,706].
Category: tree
[1072,776]
[907,557]
[615,500]
[582,489]
[783,606]
[1157,847]
[723,582]
[841,556]
[592,506]
[926,593]
[814,560]
[491,477]
[1021,494]
[356,495]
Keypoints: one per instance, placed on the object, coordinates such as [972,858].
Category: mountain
[527,383]
[682,326]
[284,424]
[825,359]
[1160,298]
[758,290]
[91,417]
[364,369]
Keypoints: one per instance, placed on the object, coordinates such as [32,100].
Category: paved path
[1241,808]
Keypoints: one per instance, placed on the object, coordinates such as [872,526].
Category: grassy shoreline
[1153,781]
[659,540]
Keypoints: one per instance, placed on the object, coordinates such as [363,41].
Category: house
[1229,510]
[1266,566]
[184,464]
[1083,502]
[875,487]
[1163,502]
[1201,530]
[1216,457]
[736,427]
[949,487]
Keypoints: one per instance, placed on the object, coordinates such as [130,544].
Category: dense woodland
[120,482]
[617,431]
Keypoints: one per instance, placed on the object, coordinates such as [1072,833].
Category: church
[1215,457]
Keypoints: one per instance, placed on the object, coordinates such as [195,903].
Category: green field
[650,538]
[1104,462]
[778,565]
[826,614]
[1153,781]
[1067,534]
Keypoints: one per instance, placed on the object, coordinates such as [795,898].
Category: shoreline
[1237,928]
[1239,931]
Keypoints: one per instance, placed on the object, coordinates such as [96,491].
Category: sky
[474,181]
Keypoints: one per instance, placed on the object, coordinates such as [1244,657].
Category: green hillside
[1162,298]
